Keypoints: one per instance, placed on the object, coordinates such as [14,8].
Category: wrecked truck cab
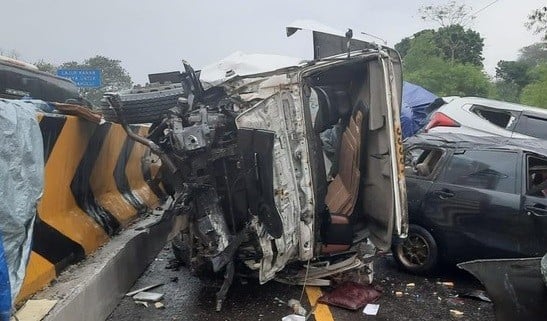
[251,187]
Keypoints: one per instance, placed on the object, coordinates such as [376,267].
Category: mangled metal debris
[244,166]
[514,285]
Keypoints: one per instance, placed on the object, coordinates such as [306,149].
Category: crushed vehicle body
[473,198]
[296,166]
[20,80]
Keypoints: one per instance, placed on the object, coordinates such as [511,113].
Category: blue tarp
[413,109]
[5,289]
[22,173]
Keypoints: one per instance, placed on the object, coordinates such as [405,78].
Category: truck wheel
[144,104]
[418,253]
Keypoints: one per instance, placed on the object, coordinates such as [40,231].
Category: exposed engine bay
[274,170]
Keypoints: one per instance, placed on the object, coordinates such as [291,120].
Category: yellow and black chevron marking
[95,183]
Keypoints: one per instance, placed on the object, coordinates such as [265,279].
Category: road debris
[145,304]
[456,313]
[371,309]
[294,317]
[35,310]
[148,296]
[297,307]
[449,285]
[146,288]
[159,305]
[351,295]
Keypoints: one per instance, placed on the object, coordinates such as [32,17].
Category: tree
[453,43]
[422,49]
[451,79]
[513,76]
[513,72]
[535,93]
[404,45]
[426,66]
[114,76]
[537,22]
[46,66]
[449,14]
[458,44]
[505,91]
[534,54]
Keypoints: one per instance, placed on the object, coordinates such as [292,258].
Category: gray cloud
[153,36]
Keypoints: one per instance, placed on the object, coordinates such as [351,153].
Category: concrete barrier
[97,181]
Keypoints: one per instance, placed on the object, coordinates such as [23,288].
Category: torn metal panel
[514,285]
[291,177]
[250,172]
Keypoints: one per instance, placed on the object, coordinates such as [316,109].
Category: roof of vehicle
[496,104]
[452,140]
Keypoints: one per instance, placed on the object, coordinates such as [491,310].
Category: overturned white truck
[270,173]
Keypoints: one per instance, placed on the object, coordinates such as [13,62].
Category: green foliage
[46,66]
[535,93]
[452,43]
[534,54]
[422,49]
[114,76]
[458,44]
[513,76]
[450,79]
[515,72]
[425,65]
[404,45]
[505,91]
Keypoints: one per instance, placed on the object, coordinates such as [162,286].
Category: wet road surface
[187,298]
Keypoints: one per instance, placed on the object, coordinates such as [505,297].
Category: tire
[144,104]
[418,253]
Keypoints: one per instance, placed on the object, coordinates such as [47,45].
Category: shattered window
[422,161]
[492,170]
[500,118]
[537,176]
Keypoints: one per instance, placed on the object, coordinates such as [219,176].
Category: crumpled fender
[516,286]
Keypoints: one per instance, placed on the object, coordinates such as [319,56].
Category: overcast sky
[153,36]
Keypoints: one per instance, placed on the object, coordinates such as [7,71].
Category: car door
[531,125]
[474,208]
[534,208]
[271,132]
[422,164]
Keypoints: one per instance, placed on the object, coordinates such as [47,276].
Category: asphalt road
[187,298]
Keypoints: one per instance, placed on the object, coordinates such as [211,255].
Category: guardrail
[96,182]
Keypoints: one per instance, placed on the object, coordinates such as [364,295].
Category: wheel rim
[414,251]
